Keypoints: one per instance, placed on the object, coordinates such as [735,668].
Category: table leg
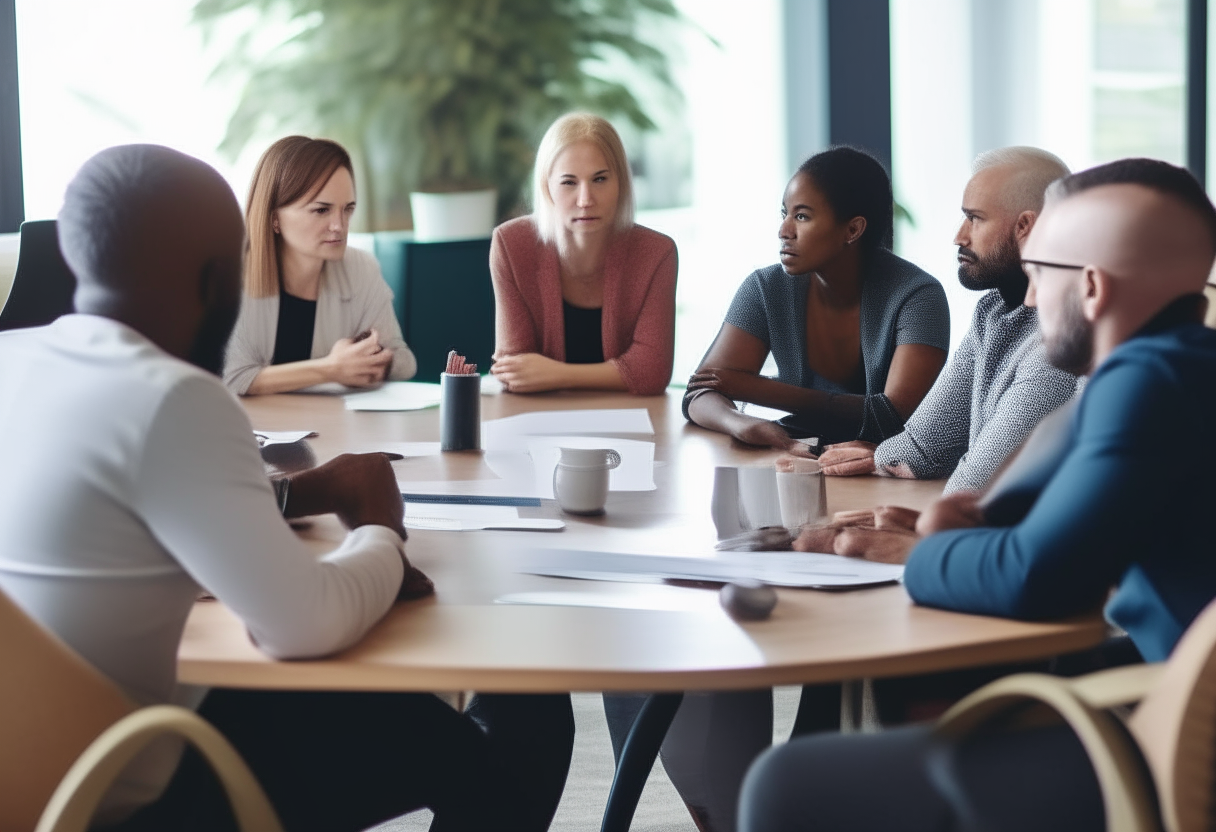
[637,759]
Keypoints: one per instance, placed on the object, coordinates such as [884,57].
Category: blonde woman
[585,297]
[315,310]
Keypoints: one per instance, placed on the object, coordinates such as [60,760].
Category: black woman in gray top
[858,334]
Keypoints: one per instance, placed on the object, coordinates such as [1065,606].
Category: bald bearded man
[132,480]
[997,385]
[1117,264]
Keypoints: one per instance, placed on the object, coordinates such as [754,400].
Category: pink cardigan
[639,314]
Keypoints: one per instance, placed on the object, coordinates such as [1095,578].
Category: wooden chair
[67,732]
[1157,768]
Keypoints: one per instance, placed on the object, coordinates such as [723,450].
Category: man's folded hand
[848,459]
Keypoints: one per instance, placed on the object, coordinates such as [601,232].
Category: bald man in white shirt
[132,481]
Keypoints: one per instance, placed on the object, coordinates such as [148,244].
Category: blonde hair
[291,169]
[571,129]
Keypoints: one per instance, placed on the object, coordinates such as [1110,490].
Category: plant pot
[462,215]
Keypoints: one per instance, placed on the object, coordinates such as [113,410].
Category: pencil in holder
[459,412]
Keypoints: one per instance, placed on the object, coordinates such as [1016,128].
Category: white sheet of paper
[793,569]
[505,434]
[281,437]
[468,488]
[635,473]
[490,385]
[406,449]
[675,599]
[531,473]
[448,511]
[460,518]
[396,395]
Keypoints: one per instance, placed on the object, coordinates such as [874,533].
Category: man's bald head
[155,240]
[1000,205]
[1185,232]
[1133,236]
[1025,173]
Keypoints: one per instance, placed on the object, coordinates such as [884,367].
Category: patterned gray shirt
[994,390]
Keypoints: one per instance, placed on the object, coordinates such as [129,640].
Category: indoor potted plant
[434,96]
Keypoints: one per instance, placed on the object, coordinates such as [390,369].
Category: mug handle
[555,468]
[614,459]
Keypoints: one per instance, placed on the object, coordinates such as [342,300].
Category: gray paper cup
[459,412]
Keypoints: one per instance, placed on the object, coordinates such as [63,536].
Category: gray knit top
[992,393]
[900,304]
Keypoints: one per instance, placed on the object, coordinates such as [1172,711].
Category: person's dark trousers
[1036,779]
[346,761]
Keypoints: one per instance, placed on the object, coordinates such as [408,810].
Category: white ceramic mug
[580,480]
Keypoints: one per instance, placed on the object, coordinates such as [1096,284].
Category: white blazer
[352,297]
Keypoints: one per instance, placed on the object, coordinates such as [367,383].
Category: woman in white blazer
[315,310]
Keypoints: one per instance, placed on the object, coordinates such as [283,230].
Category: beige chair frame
[1157,769]
[67,733]
[74,802]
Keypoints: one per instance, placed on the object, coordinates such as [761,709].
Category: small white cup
[580,480]
[801,494]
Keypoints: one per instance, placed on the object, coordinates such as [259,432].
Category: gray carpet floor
[582,806]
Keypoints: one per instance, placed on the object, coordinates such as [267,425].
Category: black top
[293,338]
[584,338]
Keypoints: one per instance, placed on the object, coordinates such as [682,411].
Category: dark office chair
[443,298]
[43,285]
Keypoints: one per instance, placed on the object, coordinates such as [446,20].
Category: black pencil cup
[459,412]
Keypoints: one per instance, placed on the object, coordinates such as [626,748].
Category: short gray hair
[1035,169]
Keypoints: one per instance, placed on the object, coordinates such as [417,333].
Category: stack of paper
[793,569]
[456,517]
[505,434]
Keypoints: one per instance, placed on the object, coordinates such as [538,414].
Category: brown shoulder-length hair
[289,170]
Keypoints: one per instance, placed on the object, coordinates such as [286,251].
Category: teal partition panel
[443,297]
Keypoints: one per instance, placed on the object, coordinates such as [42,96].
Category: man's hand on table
[362,490]
[885,534]
[856,458]
[888,534]
[960,510]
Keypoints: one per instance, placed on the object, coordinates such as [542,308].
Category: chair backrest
[443,297]
[1175,727]
[43,285]
[52,705]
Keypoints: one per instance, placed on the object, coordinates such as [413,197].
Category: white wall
[932,138]
[95,74]
[734,95]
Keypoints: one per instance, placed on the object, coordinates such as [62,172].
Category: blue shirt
[1127,506]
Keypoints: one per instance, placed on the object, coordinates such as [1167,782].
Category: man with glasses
[1117,264]
[998,385]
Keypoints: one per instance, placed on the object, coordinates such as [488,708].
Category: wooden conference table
[462,640]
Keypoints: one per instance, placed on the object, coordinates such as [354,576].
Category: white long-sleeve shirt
[128,480]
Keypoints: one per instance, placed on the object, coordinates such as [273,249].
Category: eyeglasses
[1048,264]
